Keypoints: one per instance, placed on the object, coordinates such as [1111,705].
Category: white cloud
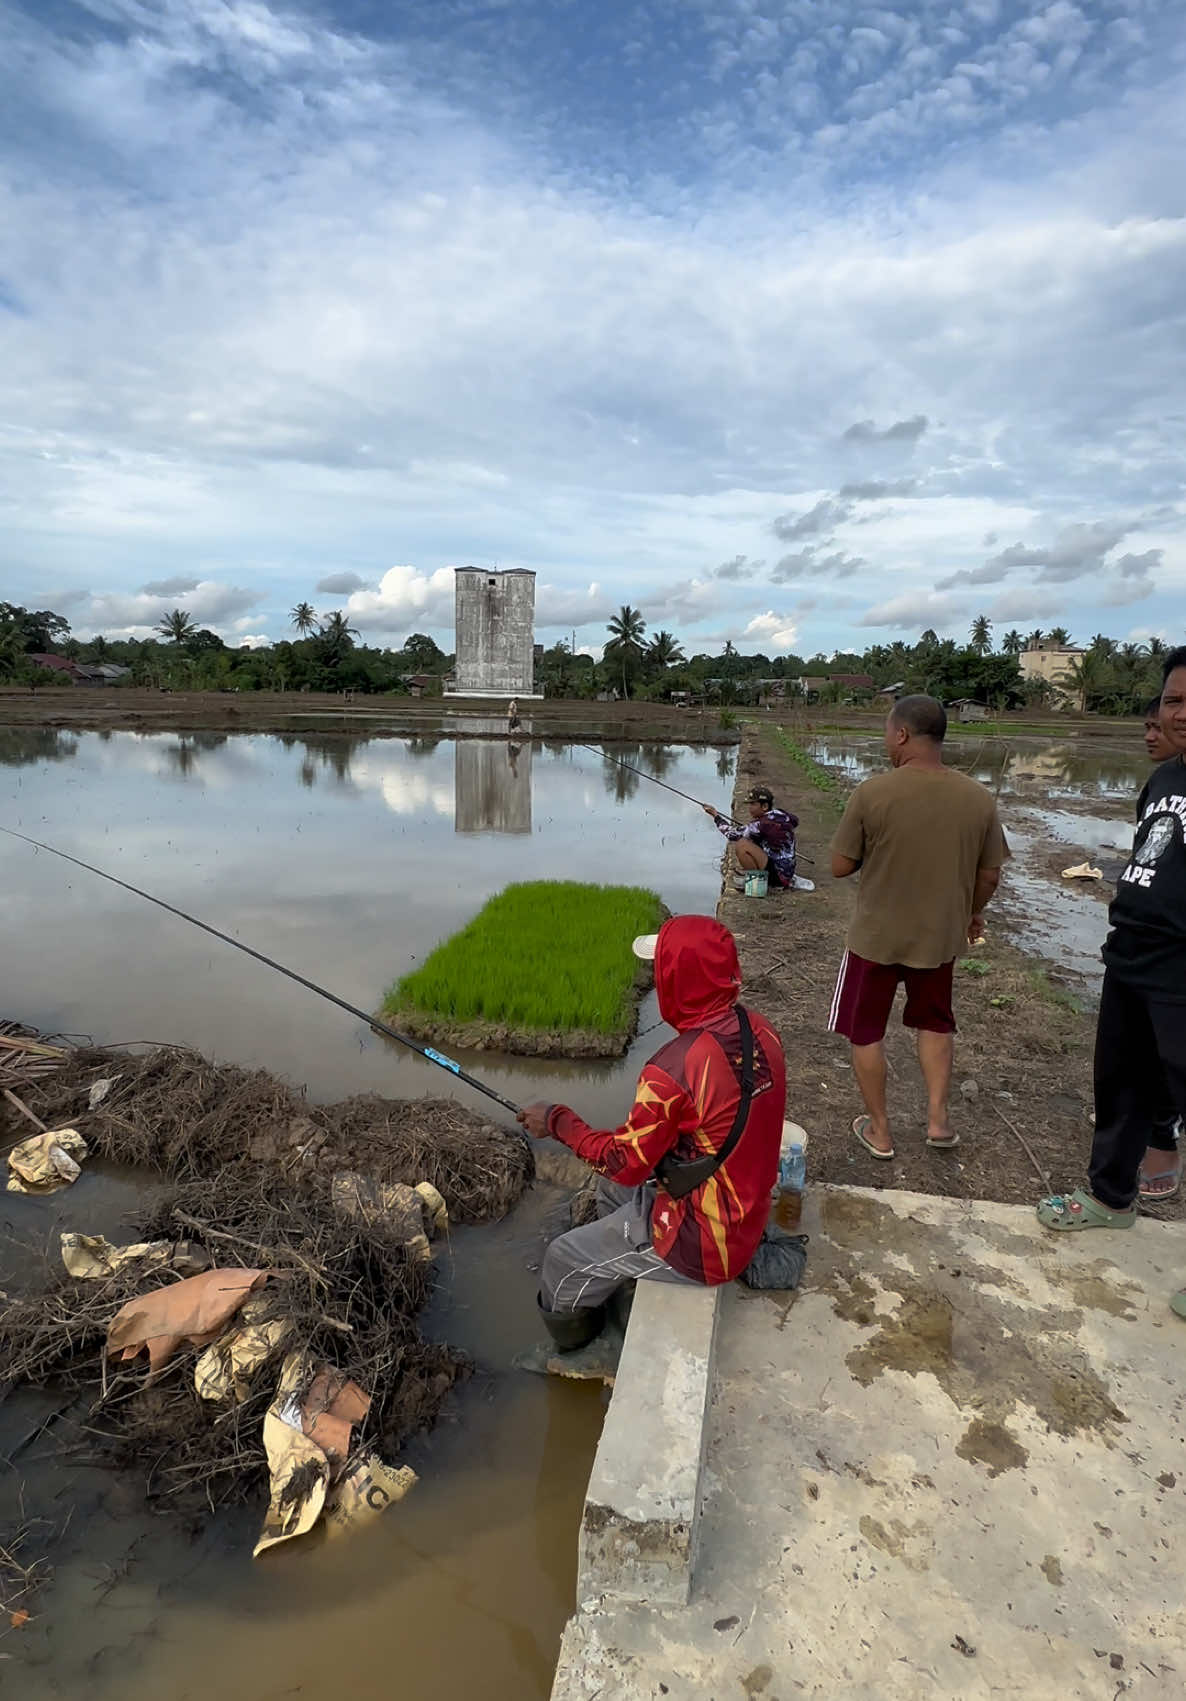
[407,296]
[914,609]
[405,598]
[252,640]
[772,633]
[136,614]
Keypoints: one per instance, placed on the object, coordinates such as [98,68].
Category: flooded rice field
[346,858]
[1062,804]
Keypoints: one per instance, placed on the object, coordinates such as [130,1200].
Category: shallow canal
[347,859]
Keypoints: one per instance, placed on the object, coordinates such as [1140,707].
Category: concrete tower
[495,626]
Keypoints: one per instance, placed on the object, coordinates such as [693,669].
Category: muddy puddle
[347,859]
[1062,804]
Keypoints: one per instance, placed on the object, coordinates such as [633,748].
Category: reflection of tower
[495,632]
[492,786]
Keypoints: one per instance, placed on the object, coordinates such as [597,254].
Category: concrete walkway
[952,1465]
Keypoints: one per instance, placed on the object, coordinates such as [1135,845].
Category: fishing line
[620,762]
[425,1051]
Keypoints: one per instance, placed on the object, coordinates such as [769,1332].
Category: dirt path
[1023,1054]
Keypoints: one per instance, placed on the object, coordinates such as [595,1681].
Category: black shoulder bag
[679,1177]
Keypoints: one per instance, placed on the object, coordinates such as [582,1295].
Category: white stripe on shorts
[836,996]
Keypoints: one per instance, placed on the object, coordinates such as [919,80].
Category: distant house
[969,709]
[851,681]
[892,692]
[1055,663]
[60,665]
[420,684]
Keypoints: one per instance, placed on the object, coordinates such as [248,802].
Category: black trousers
[1140,1056]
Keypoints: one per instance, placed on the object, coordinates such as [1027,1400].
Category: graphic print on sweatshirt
[1162,823]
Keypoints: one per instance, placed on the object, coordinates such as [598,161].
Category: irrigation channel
[348,858]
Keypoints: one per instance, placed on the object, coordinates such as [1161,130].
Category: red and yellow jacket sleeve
[627,1154]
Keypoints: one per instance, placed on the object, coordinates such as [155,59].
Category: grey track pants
[582,1268]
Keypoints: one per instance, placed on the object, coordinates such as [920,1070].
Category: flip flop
[948,1145]
[1178,1304]
[1067,1213]
[1153,1186]
[859,1125]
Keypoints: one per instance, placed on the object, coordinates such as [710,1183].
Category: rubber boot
[571,1330]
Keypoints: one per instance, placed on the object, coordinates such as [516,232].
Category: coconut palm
[1103,645]
[337,636]
[664,650]
[1012,643]
[982,634]
[304,618]
[625,641]
[1059,636]
[177,627]
[1156,648]
[1035,638]
[1091,678]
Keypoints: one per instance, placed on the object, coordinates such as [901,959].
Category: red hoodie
[686,1101]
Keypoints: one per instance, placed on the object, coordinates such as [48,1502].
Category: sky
[803,323]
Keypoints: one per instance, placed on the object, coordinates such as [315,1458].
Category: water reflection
[491,786]
[1016,768]
[22,746]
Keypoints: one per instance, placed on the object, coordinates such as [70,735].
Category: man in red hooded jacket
[685,1108]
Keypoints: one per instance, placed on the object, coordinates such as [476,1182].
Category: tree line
[326,654]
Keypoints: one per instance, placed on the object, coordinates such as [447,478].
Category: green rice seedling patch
[544,969]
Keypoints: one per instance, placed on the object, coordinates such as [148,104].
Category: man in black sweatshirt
[1141,1032]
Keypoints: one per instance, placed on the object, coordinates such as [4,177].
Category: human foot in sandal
[1161,1174]
[862,1127]
[1068,1212]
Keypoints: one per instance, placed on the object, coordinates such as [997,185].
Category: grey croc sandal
[1066,1213]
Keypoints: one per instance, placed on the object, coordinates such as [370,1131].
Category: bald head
[920,717]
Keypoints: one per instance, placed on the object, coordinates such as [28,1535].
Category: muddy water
[1062,804]
[347,859]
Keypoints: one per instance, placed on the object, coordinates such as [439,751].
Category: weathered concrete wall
[495,631]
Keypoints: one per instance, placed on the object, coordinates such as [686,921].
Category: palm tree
[177,627]
[625,641]
[1012,643]
[1156,648]
[1035,638]
[1103,645]
[982,634]
[664,650]
[304,618]
[337,636]
[1059,636]
[1091,678]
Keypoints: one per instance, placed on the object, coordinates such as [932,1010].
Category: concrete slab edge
[641,1520]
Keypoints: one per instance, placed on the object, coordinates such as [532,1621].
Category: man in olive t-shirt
[928,843]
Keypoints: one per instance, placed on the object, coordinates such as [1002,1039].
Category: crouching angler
[685,1184]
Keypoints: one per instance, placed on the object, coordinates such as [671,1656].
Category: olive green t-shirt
[920,836]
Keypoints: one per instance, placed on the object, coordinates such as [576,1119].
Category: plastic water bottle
[788,1192]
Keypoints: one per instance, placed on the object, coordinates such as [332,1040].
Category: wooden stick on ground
[20,1105]
[1043,1175]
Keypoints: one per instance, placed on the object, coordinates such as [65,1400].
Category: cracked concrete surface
[952,1465]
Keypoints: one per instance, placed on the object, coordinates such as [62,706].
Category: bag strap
[747,1088]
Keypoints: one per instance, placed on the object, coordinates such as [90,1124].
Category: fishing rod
[686,795]
[425,1051]
[622,763]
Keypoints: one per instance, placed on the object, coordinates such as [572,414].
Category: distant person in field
[766,841]
[1140,1036]
[929,847]
[1161,1167]
[691,1103]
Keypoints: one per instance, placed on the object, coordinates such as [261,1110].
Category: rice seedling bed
[543,970]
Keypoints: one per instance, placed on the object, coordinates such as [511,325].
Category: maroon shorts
[865,992]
